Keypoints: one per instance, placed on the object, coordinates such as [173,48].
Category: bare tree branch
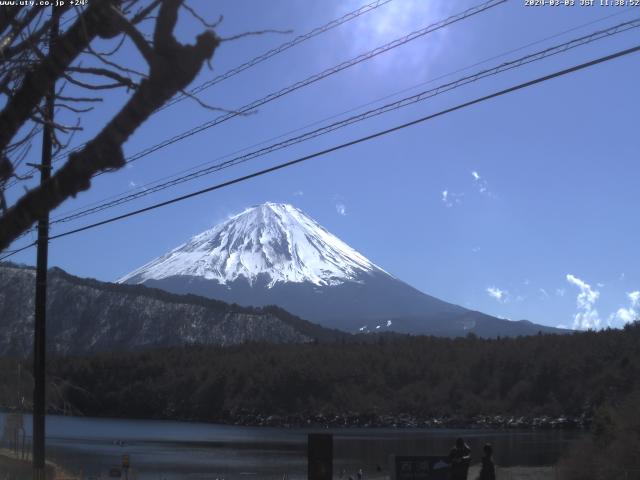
[3,202]
[61,146]
[252,34]
[17,27]
[199,17]
[39,80]
[138,39]
[110,52]
[214,108]
[18,143]
[73,109]
[103,72]
[102,57]
[90,86]
[55,125]
[79,99]
[20,158]
[32,38]
[6,169]
[7,16]
[172,68]
[144,13]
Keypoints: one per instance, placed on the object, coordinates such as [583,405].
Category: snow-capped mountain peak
[273,241]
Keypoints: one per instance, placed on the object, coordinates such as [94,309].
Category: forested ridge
[85,317]
[420,377]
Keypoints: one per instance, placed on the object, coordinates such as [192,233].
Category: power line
[317,77]
[344,145]
[356,141]
[556,35]
[309,80]
[313,79]
[11,253]
[419,97]
[32,171]
[259,59]
[353,109]
[279,49]
[486,60]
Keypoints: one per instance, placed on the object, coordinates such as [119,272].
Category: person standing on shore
[488,471]
[460,458]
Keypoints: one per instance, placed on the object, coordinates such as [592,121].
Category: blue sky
[540,216]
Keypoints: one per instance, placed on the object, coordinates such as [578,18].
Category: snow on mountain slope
[274,240]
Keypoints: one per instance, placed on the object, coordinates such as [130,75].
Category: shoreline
[480,422]
[518,472]
[355,420]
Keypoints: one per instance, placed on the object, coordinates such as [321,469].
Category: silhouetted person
[459,458]
[488,471]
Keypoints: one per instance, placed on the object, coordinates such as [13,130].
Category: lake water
[181,450]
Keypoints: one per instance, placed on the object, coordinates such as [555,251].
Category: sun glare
[393,21]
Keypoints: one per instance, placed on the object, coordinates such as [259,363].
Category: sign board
[320,456]
[428,467]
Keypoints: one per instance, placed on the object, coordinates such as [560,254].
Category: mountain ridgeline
[87,316]
[274,254]
[262,276]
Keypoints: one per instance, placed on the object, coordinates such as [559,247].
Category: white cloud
[475,249]
[298,193]
[132,184]
[498,294]
[631,314]
[544,293]
[587,316]
[338,201]
[481,184]
[560,292]
[450,198]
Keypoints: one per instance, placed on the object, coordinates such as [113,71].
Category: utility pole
[39,337]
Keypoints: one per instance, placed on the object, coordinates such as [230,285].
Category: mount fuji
[274,254]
